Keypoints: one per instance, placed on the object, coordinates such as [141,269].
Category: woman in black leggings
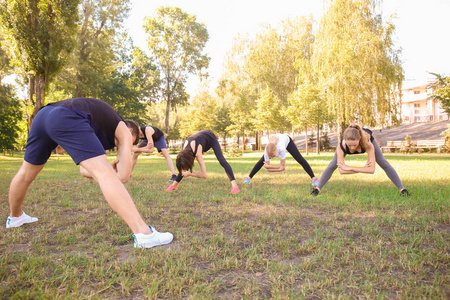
[196,144]
[277,146]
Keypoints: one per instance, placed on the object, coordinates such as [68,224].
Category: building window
[416,92]
[416,104]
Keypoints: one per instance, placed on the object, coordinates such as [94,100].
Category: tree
[307,108]
[268,114]
[273,53]
[39,35]
[442,91]
[236,88]
[201,113]
[5,67]
[129,83]
[10,115]
[357,63]
[97,54]
[176,41]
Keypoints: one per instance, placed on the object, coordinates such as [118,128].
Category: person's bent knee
[28,172]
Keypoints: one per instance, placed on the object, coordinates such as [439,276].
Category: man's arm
[124,141]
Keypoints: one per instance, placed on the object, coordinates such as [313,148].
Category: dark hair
[135,127]
[185,160]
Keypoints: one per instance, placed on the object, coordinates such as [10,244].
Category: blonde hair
[271,149]
[354,132]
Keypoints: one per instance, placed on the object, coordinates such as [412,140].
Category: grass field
[357,239]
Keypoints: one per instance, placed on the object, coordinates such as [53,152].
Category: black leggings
[219,155]
[292,149]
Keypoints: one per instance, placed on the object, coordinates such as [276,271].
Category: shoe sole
[21,223]
[152,245]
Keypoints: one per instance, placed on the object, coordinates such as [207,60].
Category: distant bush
[446,135]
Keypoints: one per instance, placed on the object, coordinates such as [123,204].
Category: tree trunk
[167,115]
[31,96]
[225,142]
[40,81]
[318,140]
[306,139]
[243,142]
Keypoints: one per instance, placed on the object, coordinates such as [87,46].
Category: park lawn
[358,239]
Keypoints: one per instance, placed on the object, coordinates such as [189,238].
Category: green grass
[357,239]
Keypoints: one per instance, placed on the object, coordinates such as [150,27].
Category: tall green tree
[5,67]
[307,108]
[39,34]
[176,41]
[357,62]
[99,43]
[268,113]
[10,117]
[236,88]
[441,92]
[273,52]
[201,113]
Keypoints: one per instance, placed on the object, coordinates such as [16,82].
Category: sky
[422,30]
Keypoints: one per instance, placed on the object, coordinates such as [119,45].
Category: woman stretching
[357,141]
[277,146]
[152,137]
[195,146]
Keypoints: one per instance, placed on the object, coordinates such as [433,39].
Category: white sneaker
[19,221]
[142,240]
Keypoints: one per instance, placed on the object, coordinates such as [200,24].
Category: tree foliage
[268,112]
[357,63]
[307,107]
[99,45]
[176,41]
[273,52]
[442,91]
[39,34]
[10,117]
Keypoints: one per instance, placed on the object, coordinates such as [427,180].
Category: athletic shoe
[19,221]
[315,181]
[315,192]
[247,180]
[172,187]
[405,193]
[173,177]
[156,238]
[234,190]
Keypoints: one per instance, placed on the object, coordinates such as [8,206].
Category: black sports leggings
[292,149]
[219,155]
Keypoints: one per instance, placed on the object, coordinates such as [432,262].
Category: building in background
[418,106]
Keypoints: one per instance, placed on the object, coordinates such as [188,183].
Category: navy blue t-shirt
[102,117]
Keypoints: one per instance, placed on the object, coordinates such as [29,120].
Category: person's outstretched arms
[278,168]
[369,167]
[198,174]
[149,148]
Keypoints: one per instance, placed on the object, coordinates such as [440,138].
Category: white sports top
[283,142]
